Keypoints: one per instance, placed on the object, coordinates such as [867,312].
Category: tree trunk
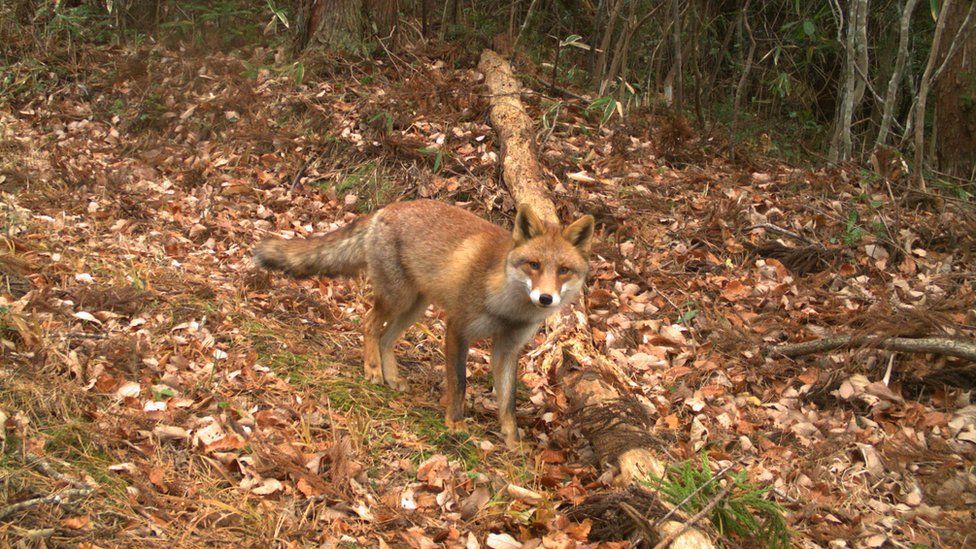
[525,24]
[676,76]
[384,14]
[923,93]
[333,25]
[955,90]
[743,78]
[623,42]
[696,68]
[841,143]
[587,376]
[620,59]
[601,55]
[891,95]
[343,26]
[861,50]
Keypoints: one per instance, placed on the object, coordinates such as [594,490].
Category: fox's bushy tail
[339,253]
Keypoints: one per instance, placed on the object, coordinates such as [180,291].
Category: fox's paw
[374,375]
[456,425]
[514,442]
[397,384]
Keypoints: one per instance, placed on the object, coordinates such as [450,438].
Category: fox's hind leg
[396,305]
[401,320]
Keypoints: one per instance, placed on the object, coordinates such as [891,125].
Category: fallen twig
[782,231]
[60,497]
[936,345]
[642,523]
[81,489]
[561,91]
[45,468]
[698,516]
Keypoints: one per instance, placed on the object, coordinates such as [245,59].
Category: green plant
[386,118]
[231,21]
[951,187]
[78,23]
[852,231]
[742,511]
[368,180]
[606,106]
[690,312]
[438,157]
[163,394]
[278,15]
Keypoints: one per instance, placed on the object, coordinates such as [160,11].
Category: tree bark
[623,42]
[334,25]
[955,90]
[891,95]
[935,345]
[923,93]
[587,376]
[601,56]
[743,78]
[852,87]
[385,15]
[677,80]
[343,26]
[861,50]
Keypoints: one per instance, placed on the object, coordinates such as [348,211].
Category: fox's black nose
[545,299]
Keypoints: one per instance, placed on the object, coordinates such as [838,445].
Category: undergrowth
[742,512]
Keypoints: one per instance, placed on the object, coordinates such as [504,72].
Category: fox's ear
[580,233]
[527,224]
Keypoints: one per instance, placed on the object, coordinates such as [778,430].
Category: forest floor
[196,401]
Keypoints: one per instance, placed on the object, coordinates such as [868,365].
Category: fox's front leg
[504,370]
[455,368]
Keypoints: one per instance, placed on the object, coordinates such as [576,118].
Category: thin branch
[642,523]
[782,231]
[698,516]
[525,23]
[954,45]
[669,514]
[923,94]
[43,467]
[58,498]
[557,89]
[888,107]
[867,82]
[965,350]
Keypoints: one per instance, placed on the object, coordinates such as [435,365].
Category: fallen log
[612,421]
[935,345]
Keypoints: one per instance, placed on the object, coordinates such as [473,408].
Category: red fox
[489,282]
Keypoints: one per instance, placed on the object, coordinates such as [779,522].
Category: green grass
[369,181]
[742,513]
[353,395]
[57,412]
[74,443]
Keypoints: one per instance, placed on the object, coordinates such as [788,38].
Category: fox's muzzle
[545,299]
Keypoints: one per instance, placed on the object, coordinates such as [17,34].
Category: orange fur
[489,282]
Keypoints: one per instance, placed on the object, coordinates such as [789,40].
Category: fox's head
[551,261]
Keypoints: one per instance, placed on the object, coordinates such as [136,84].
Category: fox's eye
[534,265]
[563,271]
